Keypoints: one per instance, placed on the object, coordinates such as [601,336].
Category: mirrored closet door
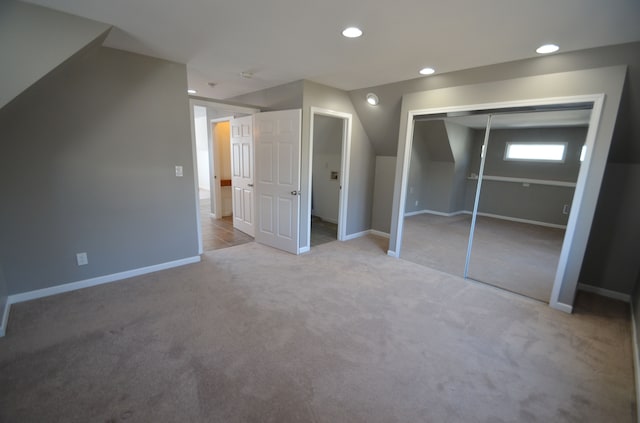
[489,193]
[531,162]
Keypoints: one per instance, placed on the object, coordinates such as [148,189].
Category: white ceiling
[281,41]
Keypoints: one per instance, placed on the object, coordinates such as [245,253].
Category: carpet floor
[341,334]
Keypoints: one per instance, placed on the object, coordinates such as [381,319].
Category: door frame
[347,124]
[581,184]
[215,110]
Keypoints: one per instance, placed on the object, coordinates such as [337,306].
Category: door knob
[295,193]
[249,185]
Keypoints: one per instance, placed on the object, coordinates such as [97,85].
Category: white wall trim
[437,213]
[345,158]
[356,235]
[605,292]
[516,219]
[379,233]
[561,307]
[303,250]
[72,286]
[528,181]
[568,263]
[5,319]
[392,254]
[636,358]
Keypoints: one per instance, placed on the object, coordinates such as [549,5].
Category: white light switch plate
[82,259]
[179,171]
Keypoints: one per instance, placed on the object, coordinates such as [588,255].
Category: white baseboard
[392,254]
[356,235]
[562,307]
[437,213]
[605,292]
[304,250]
[365,233]
[379,233]
[325,219]
[5,318]
[72,286]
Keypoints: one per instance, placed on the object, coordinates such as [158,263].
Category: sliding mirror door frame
[562,275]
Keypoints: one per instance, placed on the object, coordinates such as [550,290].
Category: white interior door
[278,138]
[242,166]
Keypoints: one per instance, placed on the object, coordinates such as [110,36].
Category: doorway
[212,163]
[330,142]
[325,178]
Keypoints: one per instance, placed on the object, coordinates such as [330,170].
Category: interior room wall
[202,147]
[281,97]
[461,139]
[384,179]
[88,165]
[611,260]
[327,158]
[28,49]
[4,293]
[362,160]
[537,203]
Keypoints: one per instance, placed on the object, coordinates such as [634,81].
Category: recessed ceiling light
[352,32]
[547,48]
[373,99]
[427,71]
[190,91]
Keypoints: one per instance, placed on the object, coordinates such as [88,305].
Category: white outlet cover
[179,172]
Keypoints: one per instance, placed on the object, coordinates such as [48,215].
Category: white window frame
[511,159]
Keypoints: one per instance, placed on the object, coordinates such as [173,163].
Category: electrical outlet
[82,259]
[179,172]
[416,203]
[565,209]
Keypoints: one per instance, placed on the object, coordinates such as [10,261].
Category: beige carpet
[519,257]
[342,334]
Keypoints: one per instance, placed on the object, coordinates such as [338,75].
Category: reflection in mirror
[441,191]
[530,172]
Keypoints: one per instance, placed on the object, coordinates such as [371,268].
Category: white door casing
[242,180]
[277,141]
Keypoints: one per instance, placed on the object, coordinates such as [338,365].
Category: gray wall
[383,123]
[608,81]
[362,163]
[282,97]
[34,40]
[440,158]
[384,179]
[327,158]
[4,293]
[611,260]
[635,307]
[540,203]
[87,165]
[461,140]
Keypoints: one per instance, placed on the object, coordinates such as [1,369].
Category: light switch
[179,171]
[82,259]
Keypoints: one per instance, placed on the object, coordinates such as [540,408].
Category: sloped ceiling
[287,40]
[34,40]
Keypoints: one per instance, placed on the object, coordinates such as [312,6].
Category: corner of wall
[5,307]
